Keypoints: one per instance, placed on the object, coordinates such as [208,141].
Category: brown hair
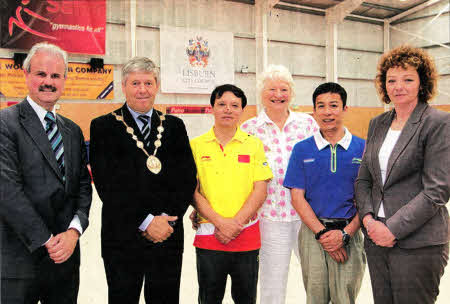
[404,56]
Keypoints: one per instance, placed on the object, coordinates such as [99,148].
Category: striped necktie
[55,138]
[145,128]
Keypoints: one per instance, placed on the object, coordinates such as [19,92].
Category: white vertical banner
[195,61]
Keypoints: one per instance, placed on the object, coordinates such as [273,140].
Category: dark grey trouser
[405,276]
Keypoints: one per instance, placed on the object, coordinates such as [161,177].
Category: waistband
[335,223]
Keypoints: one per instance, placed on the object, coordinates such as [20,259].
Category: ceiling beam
[377,6]
[413,10]
[337,13]
[320,11]
[382,7]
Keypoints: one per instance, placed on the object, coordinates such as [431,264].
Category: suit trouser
[53,284]
[278,240]
[326,280]
[125,275]
[214,266]
[406,276]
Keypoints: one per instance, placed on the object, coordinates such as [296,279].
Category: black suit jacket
[129,191]
[35,201]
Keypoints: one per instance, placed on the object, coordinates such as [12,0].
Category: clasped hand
[331,242]
[227,230]
[159,229]
[380,234]
[61,246]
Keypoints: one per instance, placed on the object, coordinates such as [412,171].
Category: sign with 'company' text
[83,81]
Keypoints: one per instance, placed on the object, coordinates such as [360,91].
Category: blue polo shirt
[326,174]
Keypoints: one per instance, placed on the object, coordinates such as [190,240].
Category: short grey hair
[272,72]
[140,64]
[45,47]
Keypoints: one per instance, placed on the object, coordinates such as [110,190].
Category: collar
[239,135]
[345,141]
[136,114]
[263,118]
[40,111]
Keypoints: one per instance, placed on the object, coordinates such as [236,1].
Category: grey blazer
[34,199]
[417,178]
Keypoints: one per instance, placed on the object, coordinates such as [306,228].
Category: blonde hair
[272,72]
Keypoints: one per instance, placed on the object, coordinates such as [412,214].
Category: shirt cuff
[51,235]
[146,222]
[76,224]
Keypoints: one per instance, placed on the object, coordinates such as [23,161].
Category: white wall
[435,31]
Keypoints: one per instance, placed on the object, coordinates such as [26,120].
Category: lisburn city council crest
[198,52]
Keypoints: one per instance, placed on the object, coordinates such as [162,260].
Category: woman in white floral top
[279,129]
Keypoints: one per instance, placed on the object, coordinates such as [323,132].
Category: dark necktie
[145,129]
[55,138]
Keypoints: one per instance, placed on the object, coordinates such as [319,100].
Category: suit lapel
[406,135]
[30,122]
[379,136]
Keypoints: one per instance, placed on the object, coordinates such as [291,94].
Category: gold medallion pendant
[153,164]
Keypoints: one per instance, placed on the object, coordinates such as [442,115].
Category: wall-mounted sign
[188,110]
[76,26]
[83,82]
[195,61]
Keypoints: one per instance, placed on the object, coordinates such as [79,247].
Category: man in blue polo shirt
[321,173]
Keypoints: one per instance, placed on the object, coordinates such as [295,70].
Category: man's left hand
[331,240]
[66,242]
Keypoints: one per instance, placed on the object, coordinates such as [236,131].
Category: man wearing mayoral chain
[145,175]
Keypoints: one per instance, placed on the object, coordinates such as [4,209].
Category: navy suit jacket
[35,201]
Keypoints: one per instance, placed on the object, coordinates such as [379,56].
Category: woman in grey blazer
[403,182]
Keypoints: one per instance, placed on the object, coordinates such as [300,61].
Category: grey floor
[93,288]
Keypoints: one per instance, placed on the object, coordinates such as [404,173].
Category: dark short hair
[404,56]
[330,87]
[218,92]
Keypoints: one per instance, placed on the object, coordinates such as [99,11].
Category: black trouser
[125,276]
[213,267]
[405,276]
[53,284]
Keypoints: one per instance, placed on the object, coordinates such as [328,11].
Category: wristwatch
[345,237]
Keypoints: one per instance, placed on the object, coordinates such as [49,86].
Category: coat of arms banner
[195,61]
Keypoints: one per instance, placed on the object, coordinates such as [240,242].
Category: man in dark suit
[45,188]
[145,175]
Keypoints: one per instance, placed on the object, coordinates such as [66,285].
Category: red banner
[77,26]
[188,110]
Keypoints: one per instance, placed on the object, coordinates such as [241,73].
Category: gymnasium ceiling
[376,9]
